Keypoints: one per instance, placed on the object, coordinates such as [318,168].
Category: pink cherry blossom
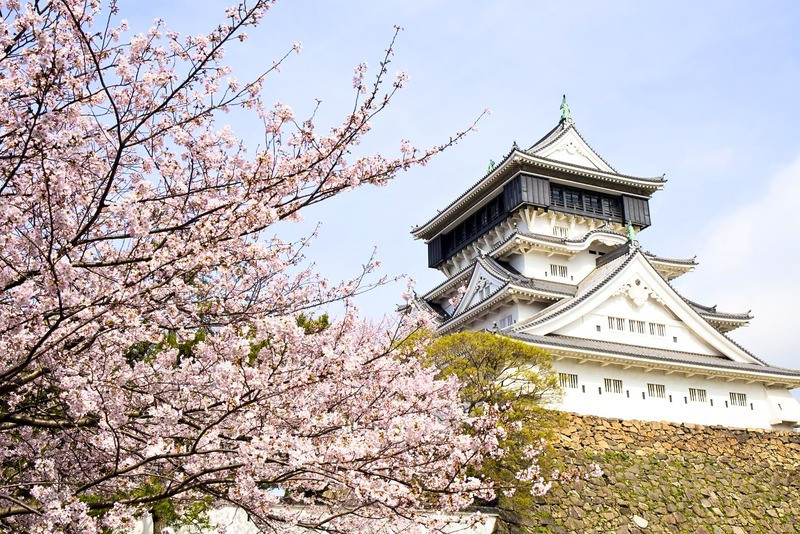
[150,341]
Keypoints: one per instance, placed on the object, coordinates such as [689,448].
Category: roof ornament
[492,165]
[564,109]
[631,232]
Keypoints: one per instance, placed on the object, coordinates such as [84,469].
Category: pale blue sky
[704,92]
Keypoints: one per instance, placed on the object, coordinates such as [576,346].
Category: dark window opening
[585,201]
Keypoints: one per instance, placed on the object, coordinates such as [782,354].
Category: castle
[543,249]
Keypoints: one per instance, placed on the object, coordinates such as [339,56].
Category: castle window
[508,320]
[657,329]
[636,326]
[572,199]
[584,201]
[568,381]
[697,395]
[738,399]
[657,391]
[484,291]
[616,323]
[612,385]
[560,231]
[593,203]
[558,270]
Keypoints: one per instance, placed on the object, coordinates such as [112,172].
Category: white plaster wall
[588,400]
[517,261]
[525,311]
[650,312]
[487,322]
[543,224]
[537,265]
[784,407]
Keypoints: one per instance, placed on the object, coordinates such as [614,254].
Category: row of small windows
[636,326]
[585,201]
[508,320]
[558,270]
[655,391]
[476,224]
[568,380]
[697,395]
[613,385]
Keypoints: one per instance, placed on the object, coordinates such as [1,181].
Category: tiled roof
[511,277]
[451,281]
[468,191]
[655,181]
[682,261]
[711,311]
[590,285]
[554,239]
[672,356]
[650,179]
[487,300]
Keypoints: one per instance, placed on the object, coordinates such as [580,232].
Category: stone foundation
[664,477]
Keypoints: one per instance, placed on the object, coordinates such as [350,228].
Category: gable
[637,292]
[482,283]
[571,148]
[649,323]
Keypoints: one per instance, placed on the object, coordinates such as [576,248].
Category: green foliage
[146,350]
[313,325]
[519,379]
[192,516]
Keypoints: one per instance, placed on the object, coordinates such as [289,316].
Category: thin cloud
[750,259]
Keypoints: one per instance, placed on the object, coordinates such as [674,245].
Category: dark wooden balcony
[529,190]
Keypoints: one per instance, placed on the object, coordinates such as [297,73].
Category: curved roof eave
[469,193]
[562,243]
[515,157]
[678,358]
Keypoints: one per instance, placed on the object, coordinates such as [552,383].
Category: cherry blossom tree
[152,352]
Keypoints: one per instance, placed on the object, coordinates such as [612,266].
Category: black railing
[586,203]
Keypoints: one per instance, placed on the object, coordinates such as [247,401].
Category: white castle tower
[542,249]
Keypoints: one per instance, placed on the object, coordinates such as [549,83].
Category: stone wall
[663,477]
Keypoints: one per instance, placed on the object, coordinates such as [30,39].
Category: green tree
[517,379]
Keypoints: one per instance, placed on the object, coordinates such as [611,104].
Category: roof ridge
[477,304]
[548,134]
[451,278]
[553,239]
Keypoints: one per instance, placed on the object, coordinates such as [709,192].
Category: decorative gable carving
[638,293]
[650,294]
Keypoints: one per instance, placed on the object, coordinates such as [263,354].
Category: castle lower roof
[652,354]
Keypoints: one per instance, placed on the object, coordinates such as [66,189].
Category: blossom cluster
[151,347]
